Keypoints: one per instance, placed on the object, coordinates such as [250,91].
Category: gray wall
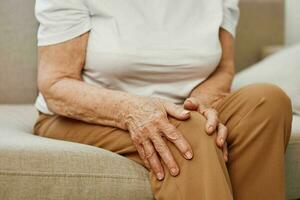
[292,22]
[261,24]
[17,51]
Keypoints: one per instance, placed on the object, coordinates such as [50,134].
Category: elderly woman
[150,80]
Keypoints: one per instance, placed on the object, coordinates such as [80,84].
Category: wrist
[127,105]
[120,107]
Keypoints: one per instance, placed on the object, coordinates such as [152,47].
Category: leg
[258,118]
[203,177]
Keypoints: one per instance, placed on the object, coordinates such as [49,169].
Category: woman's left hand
[205,103]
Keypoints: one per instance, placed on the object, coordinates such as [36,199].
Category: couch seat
[33,167]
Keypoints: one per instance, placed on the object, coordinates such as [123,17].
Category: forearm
[221,79]
[89,103]
[60,81]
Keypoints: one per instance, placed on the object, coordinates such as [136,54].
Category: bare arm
[221,79]
[59,80]
[206,96]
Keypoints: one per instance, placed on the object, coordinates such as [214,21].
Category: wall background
[261,24]
[292,22]
[17,51]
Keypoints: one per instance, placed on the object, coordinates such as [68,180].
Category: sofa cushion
[33,167]
[292,161]
[281,68]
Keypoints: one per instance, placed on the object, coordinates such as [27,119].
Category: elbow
[46,86]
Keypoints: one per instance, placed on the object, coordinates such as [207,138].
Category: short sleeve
[231,15]
[61,20]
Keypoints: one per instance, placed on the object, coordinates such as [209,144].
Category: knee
[193,130]
[273,104]
[274,100]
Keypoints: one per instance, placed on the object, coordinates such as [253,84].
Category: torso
[160,48]
[155,48]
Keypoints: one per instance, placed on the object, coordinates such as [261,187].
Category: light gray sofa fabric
[292,162]
[32,167]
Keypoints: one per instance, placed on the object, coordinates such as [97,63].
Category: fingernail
[221,141]
[174,171]
[160,176]
[189,155]
[185,112]
[210,129]
[189,101]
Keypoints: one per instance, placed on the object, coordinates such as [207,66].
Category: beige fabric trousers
[258,118]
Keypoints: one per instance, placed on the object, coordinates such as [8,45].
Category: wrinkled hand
[147,123]
[205,104]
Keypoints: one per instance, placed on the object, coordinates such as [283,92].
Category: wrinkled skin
[147,123]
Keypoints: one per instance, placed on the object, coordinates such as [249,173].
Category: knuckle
[160,148]
[149,154]
[144,129]
[136,139]
[172,135]
[214,111]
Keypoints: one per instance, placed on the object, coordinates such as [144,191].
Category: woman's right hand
[147,122]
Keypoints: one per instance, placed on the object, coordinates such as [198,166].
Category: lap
[115,139]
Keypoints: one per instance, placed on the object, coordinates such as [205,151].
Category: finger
[153,159]
[191,103]
[212,119]
[225,152]
[176,111]
[142,155]
[174,136]
[221,135]
[165,154]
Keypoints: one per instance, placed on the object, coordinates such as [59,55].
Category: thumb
[176,111]
[191,103]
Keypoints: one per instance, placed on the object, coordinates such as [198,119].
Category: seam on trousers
[180,195]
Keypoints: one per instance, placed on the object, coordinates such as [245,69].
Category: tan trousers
[258,118]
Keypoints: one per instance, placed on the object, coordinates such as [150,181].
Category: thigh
[63,128]
[258,101]
[110,138]
[115,139]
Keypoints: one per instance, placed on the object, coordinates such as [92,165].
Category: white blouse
[161,48]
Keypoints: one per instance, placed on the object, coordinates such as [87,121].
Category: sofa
[33,167]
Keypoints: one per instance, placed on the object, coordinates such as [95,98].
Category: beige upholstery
[32,167]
